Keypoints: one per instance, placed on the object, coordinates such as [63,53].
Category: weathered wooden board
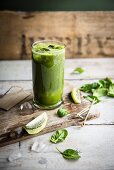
[94,141]
[15,117]
[106,107]
[86,34]
[9,100]
[94,69]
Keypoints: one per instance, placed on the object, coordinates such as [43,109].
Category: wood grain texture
[15,98]
[15,117]
[96,68]
[106,107]
[95,140]
[94,143]
[86,34]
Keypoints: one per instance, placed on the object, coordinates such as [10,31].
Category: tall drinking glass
[48,73]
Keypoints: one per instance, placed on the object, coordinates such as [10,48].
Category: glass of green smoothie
[48,73]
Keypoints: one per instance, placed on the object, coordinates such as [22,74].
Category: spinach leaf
[91,98]
[105,82]
[59,136]
[70,154]
[103,87]
[100,92]
[78,70]
[111,91]
[62,112]
[51,46]
[89,87]
[44,49]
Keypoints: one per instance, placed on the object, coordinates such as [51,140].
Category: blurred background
[85,26]
[57,5]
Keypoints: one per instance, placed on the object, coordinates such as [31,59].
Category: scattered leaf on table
[96,90]
[100,92]
[70,154]
[89,87]
[92,98]
[111,91]
[59,136]
[78,70]
[62,112]
[105,82]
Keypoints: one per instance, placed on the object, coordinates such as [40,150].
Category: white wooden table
[95,140]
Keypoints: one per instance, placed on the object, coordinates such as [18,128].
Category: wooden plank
[15,117]
[8,101]
[94,69]
[86,34]
[106,107]
[94,143]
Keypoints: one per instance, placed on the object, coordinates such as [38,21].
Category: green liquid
[48,74]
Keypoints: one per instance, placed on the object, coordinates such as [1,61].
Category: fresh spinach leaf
[92,98]
[89,87]
[103,87]
[70,154]
[100,92]
[105,82]
[78,70]
[62,112]
[111,91]
[59,136]
[51,46]
[44,49]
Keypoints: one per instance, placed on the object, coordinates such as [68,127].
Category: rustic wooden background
[86,34]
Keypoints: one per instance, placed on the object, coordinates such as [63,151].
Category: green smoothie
[48,73]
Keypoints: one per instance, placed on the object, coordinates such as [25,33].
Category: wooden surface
[86,34]
[95,140]
[17,118]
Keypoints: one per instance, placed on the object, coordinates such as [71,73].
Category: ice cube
[26,105]
[38,147]
[14,156]
[26,108]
